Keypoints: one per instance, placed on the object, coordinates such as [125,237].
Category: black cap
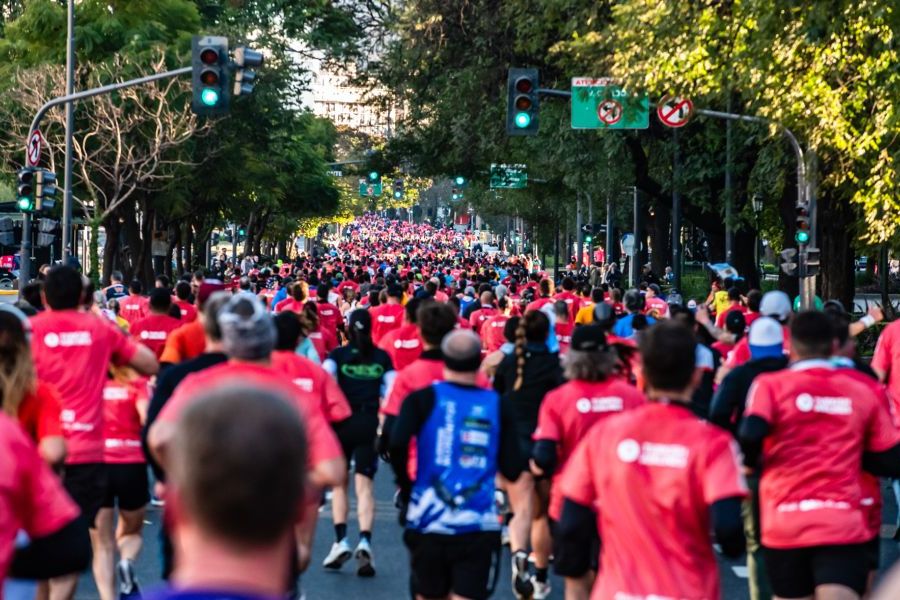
[588,338]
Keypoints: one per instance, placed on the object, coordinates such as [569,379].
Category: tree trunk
[179,251]
[188,244]
[111,248]
[836,218]
[787,207]
[94,252]
[744,257]
[660,238]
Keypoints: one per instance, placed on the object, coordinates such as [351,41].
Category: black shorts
[128,486]
[464,564]
[357,436]
[796,572]
[87,484]
[571,561]
[873,551]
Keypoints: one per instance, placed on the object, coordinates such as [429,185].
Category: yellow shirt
[585,315]
[721,302]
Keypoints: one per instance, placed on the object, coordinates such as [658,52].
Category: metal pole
[729,201]
[70,130]
[234,243]
[609,233]
[25,253]
[676,215]
[636,251]
[579,234]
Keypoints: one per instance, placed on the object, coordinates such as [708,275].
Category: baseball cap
[766,338]
[588,338]
[775,304]
[656,289]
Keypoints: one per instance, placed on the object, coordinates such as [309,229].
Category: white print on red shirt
[824,404]
[67,339]
[653,455]
[154,335]
[598,405]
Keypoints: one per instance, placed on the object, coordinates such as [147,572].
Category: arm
[544,458]
[144,361]
[875,315]
[883,464]
[723,407]
[415,410]
[728,525]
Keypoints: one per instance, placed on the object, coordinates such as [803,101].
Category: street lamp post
[757,204]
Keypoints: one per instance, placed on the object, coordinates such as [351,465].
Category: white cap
[766,338]
[775,304]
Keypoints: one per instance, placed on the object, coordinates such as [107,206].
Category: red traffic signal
[209,56]
[524,85]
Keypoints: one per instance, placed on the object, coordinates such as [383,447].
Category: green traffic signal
[460,180]
[398,194]
[523,120]
[24,203]
[802,237]
[373,176]
[588,239]
[209,97]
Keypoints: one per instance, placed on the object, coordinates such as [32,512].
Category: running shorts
[463,564]
[796,572]
[873,547]
[129,487]
[571,561]
[357,436]
[87,484]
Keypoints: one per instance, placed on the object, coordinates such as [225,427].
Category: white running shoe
[541,590]
[365,562]
[340,553]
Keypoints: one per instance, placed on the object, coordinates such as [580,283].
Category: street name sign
[509,177]
[600,103]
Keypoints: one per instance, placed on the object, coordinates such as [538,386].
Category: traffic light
[812,262]
[25,189]
[374,176]
[789,261]
[7,238]
[241,231]
[398,189]
[209,59]
[45,191]
[456,194]
[245,60]
[459,180]
[802,235]
[522,104]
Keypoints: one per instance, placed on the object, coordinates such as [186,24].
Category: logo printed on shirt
[385,319]
[406,344]
[115,393]
[628,450]
[607,404]
[153,335]
[824,404]
[652,454]
[67,339]
[304,383]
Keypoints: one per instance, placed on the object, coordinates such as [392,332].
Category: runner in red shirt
[33,500]
[389,316]
[299,296]
[546,293]
[154,329]
[133,307]
[404,344]
[568,412]
[563,326]
[654,482]
[482,314]
[329,314]
[814,528]
[492,329]
[125,402]
[568,295]
[183,302]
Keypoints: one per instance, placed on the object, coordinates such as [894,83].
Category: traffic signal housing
[245,60]
[398,189]
[802,235]
[45,191]
[522,102]
[25,189]
[789,261]
[209,79]
[813,264]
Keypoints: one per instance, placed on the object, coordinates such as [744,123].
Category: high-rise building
[334,96]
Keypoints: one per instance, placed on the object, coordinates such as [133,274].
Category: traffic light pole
[25,253]
[70,131]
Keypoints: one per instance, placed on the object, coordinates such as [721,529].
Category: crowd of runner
[610,435]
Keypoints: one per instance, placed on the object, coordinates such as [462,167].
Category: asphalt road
[391,580]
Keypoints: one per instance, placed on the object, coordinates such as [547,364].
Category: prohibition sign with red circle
[675,111]
[609,112]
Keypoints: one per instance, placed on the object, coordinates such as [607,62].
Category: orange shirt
[185,343]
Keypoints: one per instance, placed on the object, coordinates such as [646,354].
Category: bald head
[462,351]
[487,298]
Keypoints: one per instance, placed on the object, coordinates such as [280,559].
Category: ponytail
[520,353]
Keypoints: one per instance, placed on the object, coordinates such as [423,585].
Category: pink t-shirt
[31,497]
[73,349]
[133,308]
[313,379]
[153,331]
[122,422]
[651,474]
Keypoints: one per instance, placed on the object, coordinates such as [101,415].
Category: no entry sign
[675,111]
[34,148]
[609,112]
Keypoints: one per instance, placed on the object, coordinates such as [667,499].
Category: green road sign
[369,188]
[509,177]
[600,104]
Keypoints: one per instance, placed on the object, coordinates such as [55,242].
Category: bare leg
[104,543]
[128,532]
[63,588]
[339,504]
[541,542]
[365,502]
[835,592]
[579,588]
[521,500]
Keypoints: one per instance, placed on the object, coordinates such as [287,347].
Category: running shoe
[340,553]
[365,563]
[541,589]
[521,578]
[128,584]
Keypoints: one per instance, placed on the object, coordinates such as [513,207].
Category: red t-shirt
[740,354]
[291,305]
[479,316]
[122,422]
[188,310]
[403,345]
[571,300]
[39,413]
[492,332]
[564,335]
[658,305]
[538,304]
[887,354]
[385,317]
[651,474]
[73,349]
[31,496]
[720,318]
[314,380]
[153,331]
[568,413]
[133,308]
[814,411]
[329,316]
[321,441]
[324,342]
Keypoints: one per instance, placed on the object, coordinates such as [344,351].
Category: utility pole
[729,232]
[579,234]
[676,214]
[67,232]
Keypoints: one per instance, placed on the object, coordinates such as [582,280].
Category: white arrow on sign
[35,142]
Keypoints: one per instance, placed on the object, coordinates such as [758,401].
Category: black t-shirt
[359,377]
